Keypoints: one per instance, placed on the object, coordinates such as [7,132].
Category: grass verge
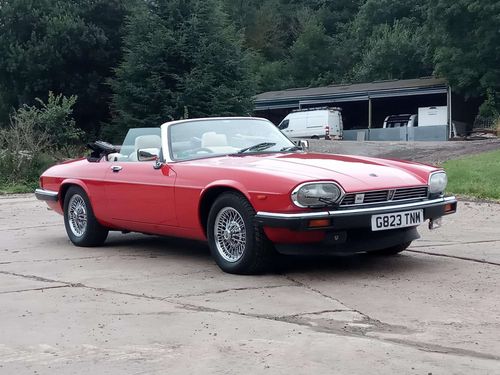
[18,188]
[475,176]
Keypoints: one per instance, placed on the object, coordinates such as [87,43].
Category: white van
[312,123]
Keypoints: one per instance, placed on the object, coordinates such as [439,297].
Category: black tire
[392,250]
[314,137]
[93,234]
[258,252]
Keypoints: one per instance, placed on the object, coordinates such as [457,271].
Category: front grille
[382,196]
[410,193]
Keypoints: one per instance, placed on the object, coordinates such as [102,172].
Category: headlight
[437,182]
[316,194]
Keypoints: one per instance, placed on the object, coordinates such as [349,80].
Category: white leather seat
[212,139]
[145,141]
[216,143]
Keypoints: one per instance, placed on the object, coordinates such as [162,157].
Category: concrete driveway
[147,305]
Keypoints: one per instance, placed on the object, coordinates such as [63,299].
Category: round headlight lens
[316,194]
[438,182]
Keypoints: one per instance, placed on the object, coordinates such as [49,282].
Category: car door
[136,192]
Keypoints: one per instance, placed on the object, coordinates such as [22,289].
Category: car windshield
[204,138]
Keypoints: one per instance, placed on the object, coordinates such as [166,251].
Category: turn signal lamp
[449,208]
[319,223]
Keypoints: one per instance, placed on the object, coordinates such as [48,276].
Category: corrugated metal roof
[350,92]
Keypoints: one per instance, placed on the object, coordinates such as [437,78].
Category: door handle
[116,168]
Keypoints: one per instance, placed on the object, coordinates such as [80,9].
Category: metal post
[450,119]
[369,116]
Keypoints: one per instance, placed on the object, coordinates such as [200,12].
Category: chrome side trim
[358,211]
[46,195]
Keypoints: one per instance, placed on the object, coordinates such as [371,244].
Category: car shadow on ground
[190,250]
[356,264]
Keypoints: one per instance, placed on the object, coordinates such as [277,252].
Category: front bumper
[354,218]
[46,195]
[349,230]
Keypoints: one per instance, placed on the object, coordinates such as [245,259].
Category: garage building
[365,106]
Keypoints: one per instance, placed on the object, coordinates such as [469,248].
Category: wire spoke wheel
[230,234]
[237,243]
[77,215]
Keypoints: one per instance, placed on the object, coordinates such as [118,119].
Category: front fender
[230,184]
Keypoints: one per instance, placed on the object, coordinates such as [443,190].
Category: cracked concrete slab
[488,252]
[272,302]
[427,294]
[81,331]
[474,233]
[12,283]
[475,222]
[164,276]
[143,304]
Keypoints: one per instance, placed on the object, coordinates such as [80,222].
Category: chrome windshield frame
[166,142]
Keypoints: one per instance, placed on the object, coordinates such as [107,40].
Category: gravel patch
[424,152]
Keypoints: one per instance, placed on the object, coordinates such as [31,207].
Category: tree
[65,46]
[467,47]
[373,34]
[180,56]
[396,52]
[311,59]
[218,81]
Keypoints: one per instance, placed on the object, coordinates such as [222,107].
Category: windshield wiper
[258,147]
[292,148]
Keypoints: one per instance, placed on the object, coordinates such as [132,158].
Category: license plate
[397,220]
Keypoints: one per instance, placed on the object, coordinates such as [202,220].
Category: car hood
[352,172]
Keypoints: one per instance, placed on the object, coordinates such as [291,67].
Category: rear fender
[66,184]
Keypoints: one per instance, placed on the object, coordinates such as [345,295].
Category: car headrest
[147,141]
[212,139]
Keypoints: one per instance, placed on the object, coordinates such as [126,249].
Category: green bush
[37,137]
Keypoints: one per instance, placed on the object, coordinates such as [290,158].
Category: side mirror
[148,154]
[302,144]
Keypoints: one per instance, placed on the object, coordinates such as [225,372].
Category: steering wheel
[203,150]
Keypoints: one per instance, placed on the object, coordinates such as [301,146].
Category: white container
[433,116]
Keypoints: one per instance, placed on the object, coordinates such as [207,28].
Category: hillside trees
[393,52]
[182,57]
[466,39]
[64,46]
[142,62]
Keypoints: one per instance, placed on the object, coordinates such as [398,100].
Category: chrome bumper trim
[358,211]
[46,195]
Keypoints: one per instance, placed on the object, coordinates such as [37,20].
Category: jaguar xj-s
[244,187]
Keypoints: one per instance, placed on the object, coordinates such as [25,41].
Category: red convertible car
[246,188]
